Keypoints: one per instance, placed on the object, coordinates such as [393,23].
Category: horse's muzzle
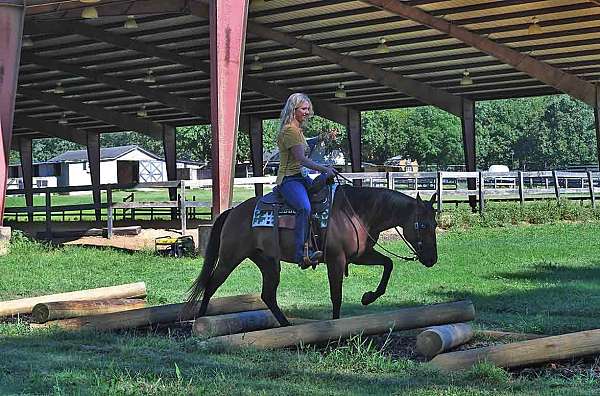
[428,262]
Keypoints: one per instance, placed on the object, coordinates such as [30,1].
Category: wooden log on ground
[437,339]
[129,230]
[234,323]
[25,305]
[524,353]
[323,331]
[158,314]
[498,334]
[44,312]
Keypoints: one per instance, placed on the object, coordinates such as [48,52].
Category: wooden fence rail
[451,187]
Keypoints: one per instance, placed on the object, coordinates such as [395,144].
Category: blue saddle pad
[264,211]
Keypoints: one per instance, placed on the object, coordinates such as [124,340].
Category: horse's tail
[210,261]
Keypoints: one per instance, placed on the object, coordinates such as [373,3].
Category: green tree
[434,137]
[384,134]
[507,131]
[44,149]
[569,124]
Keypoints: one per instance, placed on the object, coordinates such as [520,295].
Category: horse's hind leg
[270,269]
[227,263]
[373,257]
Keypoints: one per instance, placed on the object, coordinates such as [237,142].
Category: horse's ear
[419,200]
[433,198]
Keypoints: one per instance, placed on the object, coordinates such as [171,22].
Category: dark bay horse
[358,216]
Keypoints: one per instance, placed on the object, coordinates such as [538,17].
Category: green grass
[536,278]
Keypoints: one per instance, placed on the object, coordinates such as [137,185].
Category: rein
[375,242]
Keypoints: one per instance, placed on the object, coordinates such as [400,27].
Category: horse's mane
[371,202]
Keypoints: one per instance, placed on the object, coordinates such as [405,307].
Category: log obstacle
[323,331]
[25,305]
[44,312]
[158,314]
[233,323]
[438,339]
[525,352]
[498,334]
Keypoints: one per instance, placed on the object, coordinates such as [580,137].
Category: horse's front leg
[335,272]
[372,257]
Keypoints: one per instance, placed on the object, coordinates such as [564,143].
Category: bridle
[419,226]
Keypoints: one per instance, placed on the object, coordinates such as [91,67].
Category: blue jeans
[294,190]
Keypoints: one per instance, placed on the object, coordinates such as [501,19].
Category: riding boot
[311,257]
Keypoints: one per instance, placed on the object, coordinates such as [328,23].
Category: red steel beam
[227,45]
[12,13]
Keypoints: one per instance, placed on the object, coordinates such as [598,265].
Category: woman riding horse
[292,181]
[358,215]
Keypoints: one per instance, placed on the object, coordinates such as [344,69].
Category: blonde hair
[292,103]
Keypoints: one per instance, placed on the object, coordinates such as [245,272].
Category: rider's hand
[330,173]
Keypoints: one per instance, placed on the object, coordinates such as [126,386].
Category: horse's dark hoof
[368,298]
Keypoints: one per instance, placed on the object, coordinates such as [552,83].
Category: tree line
[545,132]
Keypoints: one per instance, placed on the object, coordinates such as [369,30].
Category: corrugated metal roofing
[570,40]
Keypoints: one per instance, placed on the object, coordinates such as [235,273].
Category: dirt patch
[143,241]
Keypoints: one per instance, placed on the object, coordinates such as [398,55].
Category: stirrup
[311,260]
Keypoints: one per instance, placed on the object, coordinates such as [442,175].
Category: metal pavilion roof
[102,66]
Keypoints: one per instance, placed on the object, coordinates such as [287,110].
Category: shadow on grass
[547,298]
[91,363]
[158,362]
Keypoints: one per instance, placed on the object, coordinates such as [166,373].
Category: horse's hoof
[368,298]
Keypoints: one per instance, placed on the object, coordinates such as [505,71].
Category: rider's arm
[298,154]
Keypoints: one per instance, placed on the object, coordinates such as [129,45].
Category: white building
[124,164]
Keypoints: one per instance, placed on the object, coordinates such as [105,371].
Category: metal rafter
[124,121]
[51,129]
[196,108]
[326,109]
[70,9]
[552,76]
[414,88]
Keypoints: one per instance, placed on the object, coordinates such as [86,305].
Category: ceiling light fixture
[130,23]
[63,119]
[59,90]
[340,92]
[27,42]
[150,79]
[466,78]
[89,13]
[534,26]
[383,48]
[142,112]
[256,65]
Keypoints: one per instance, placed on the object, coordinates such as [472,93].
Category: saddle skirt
[266,207]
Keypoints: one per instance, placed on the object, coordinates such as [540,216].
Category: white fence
[450,187]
